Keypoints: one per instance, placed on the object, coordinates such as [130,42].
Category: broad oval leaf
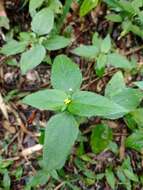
[128,98]
[115,85]
[56,6]
[56,42]
[61,133]
[32,58]
[43,21]
[65,74]
[46,99]
[87,51]
[13,47]
[90,104]
[33,5]
[87,6]
[100,138]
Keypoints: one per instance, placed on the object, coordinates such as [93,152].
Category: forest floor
[21,125]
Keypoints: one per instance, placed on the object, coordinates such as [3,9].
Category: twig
[19,121]
[31,150]
[12,159]
[122,147]
[134,50]
[25,156]
[59,186]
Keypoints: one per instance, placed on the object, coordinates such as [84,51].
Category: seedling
[87,6]
[70,103]
[103,54]
[128,13]
[33,45]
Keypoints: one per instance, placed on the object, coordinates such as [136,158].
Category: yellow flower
[67,101]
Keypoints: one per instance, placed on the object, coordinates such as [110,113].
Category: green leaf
[27,36]
[126,6]
[115,85]
[106,44]
[56,6]
[13,47]
[135,141]
[110,178]
[130,122]
[5,164]
[114,18]
[87,51]
[137,4]
[128,98]
[112,3]
[12,62]
[128,170]
[41,178]
[137,115]
[113,147]
[61,133]
[96,40]
[56,42]
[90,104]
[130,175]
[50,99]
[100,64]
[65,74]
[31,58]
[33,5]
[139,84]
[100,138]
[18,173]
[122,178]
[6,180]
[43,21]
[136,30]
[4,22]
[121,175]
[119,61]
[87,6]
[127,164]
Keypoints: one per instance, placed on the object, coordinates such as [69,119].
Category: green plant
[66,98]
[102,52]
[87,6]
[100,138]
[128,13]
[126,174]
[122,175]
[33,45]
[4,172]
